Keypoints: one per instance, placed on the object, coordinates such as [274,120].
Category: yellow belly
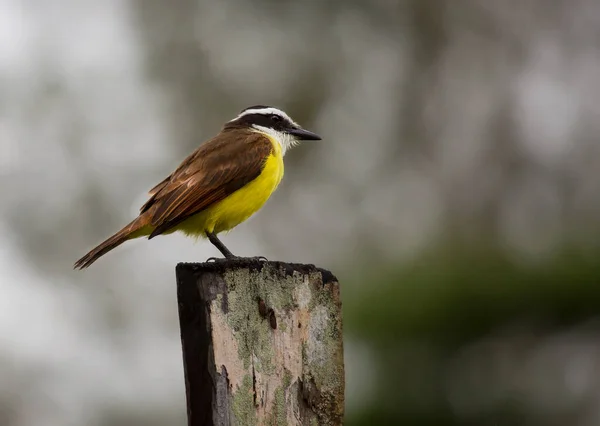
[240,205]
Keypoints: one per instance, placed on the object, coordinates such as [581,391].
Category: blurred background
[455,195]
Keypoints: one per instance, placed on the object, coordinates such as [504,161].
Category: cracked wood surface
[262,343]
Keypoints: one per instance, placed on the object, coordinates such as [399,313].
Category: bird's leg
[212,237]
[219,245]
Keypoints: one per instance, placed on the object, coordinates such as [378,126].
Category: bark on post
[262,343]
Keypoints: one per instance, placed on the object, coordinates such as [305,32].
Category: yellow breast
[240,205]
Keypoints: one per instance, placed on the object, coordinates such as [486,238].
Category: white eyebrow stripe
[266,111]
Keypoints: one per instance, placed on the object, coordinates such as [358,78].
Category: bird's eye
[275,118]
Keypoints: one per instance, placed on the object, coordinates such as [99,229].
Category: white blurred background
[471,121]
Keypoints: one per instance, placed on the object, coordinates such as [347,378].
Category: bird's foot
[237,258]
[218,259]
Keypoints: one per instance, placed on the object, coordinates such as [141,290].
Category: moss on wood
[291,375]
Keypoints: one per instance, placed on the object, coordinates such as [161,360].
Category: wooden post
[262,343]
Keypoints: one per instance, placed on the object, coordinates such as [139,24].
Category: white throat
[285,140]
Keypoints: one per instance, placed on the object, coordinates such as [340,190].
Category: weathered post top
[262,343]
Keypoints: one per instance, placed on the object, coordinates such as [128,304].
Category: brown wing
[216,169]
[158,187]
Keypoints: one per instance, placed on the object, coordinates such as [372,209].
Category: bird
[221,184]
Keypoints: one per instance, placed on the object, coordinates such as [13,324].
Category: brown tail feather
[106,246]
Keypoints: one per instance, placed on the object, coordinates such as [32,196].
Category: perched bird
[220,185]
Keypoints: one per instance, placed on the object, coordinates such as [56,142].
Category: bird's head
[273,122]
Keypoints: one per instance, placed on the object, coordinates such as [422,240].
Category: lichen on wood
[290,374]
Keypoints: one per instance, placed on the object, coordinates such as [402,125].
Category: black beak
[305,135]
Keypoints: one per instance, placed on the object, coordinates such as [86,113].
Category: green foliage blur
[418,317]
